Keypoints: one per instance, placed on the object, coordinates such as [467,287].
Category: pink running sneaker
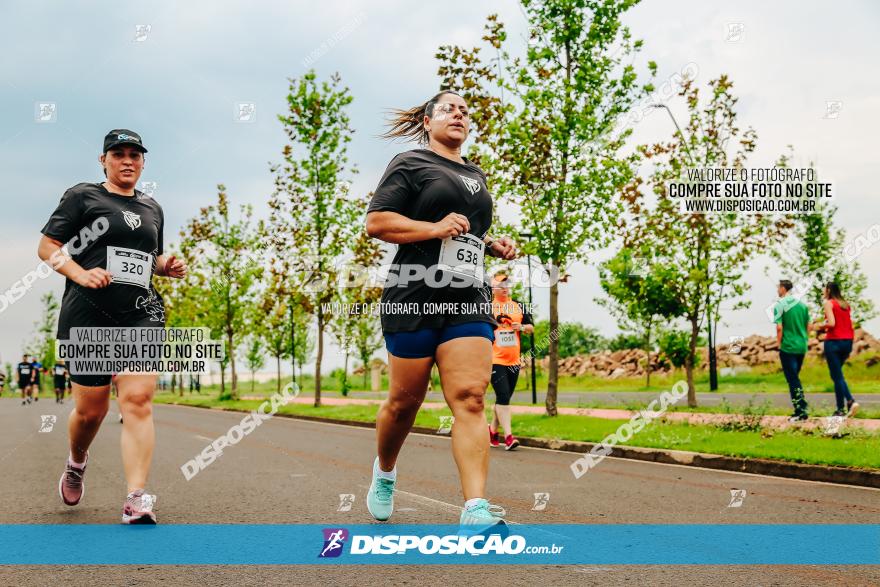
[510,443]
[138,508]
[71,487]
[493,438]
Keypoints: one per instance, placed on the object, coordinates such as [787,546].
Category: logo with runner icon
[48,422]
[334,540]
[131,219]
[471,184]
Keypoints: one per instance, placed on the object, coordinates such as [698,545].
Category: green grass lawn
[762,379]
[856,449]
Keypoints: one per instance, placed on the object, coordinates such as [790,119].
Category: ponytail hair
[833,290]
[409,124]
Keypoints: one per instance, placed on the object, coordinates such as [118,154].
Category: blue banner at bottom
[274,544]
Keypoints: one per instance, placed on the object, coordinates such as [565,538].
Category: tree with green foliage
[313,217]
[357,330]
[641,295]
[573,339]
[544,125]
[222,249]
[675,347]
[255,355]
[42,346]
[705,255]
[275,322]
[815,253]
[627,341]
[183,300]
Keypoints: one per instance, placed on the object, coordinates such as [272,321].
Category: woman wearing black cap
[116,232]
[435,205]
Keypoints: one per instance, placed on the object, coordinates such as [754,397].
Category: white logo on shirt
[131,219]
[471,184]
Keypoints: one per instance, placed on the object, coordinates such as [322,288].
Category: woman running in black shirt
[436,306]
[109,285]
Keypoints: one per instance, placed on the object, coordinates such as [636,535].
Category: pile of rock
[759,350]
[748,351]
[611,364]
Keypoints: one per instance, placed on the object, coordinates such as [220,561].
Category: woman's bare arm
[829,314]
[392,227]
[50,251]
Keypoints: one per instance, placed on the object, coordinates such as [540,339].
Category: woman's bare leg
[135,397]
[465,367]
[408,385]
[89,408]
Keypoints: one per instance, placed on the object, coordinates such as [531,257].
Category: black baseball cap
[121,136]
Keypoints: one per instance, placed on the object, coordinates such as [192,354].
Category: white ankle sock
[74,463]
[472,502]
[392,474]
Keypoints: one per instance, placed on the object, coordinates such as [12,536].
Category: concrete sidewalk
[775,422]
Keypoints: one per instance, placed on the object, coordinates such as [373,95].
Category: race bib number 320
[463,257]
[130,266]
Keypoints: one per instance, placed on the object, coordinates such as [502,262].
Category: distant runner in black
[59,377]
[35,382]
[109,285]
[24,372]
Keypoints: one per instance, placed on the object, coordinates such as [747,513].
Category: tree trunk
[345,373]
[365,370]
[689,363]
[232,372]
[553,361]
[319,357]
[278,372]
[648,354]
[222,380]
[253,376]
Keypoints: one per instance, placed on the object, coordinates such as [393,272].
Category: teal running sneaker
[481,517]
[380,498]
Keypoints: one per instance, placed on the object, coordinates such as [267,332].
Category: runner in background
[512,320]
[36,368]
[839,336]
[25,376]
[60,377]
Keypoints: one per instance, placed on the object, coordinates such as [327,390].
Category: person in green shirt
[792,321]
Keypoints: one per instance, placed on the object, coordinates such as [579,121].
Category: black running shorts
[80,313]
[504,378]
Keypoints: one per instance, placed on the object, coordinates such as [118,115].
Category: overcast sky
[180,82]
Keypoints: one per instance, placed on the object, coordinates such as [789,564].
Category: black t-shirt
[60,370]
[134,223]
[36,370]
[425,186]
[25,371]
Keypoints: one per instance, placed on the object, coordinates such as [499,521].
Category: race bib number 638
[463,257]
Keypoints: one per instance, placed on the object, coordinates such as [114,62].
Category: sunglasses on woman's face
[446,108]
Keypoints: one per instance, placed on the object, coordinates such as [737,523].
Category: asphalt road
[291,471]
